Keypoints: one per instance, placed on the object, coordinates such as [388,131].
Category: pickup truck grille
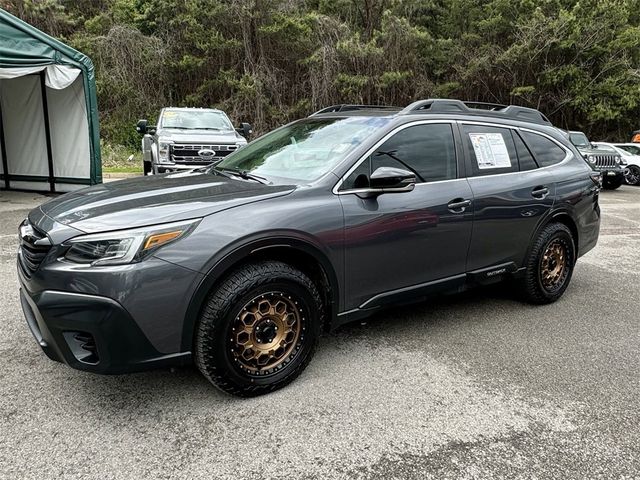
[184,153]
[606,161]
[34,247]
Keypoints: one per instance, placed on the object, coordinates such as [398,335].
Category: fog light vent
[83,346]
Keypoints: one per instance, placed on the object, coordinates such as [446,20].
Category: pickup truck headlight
[163,151]
[619,161]
[125,246]
[591,159]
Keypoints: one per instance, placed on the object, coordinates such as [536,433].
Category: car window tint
[359,178]
[545,151]
[491,150]
[525,159]
[428,150]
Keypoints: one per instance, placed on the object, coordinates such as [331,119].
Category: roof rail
[441,105]
[345,107]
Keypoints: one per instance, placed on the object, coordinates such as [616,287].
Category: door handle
[458,205]
[540,192]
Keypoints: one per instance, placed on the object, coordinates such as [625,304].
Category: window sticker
[490,149]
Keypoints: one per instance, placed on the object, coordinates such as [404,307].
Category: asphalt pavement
[477,385]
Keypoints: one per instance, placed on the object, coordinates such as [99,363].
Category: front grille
[34,247]
[184,153]
[606,161]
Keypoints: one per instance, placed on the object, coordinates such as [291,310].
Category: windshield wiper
[245,175]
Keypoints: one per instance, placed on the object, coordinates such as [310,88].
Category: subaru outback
[239,267]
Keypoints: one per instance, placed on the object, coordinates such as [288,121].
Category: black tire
[633,178]
[611,183]
[215,340]
[532,285]
[147,168]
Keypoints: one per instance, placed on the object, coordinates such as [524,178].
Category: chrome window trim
[460,123]
[567,157]
[335,190]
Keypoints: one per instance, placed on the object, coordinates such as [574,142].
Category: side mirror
[245,130]
[141,126]
[390,180]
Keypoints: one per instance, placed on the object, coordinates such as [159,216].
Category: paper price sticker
[490,150]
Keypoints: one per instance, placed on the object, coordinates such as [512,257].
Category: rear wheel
[259,329]
[633,177]
[550,265]
[611,183]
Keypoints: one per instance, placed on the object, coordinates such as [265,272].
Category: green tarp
[23,46]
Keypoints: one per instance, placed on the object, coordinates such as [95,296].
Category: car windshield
[614,148]
[631,149]
[303,151]
[195,120]
[579,139]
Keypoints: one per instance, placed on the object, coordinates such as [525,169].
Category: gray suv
[326,220]
[188,138]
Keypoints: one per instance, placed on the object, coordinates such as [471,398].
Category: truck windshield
[579,139]
[195,120]
[303,151]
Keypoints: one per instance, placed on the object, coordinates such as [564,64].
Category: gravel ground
[470,386]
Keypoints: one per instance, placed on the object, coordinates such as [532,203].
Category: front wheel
[259,329]
[147,168]
[549,265]
[633,177]
[611,183]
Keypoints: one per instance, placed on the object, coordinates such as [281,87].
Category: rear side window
[491,150]
[525,159]
[544,150]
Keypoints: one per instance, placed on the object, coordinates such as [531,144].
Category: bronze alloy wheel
[267,333]
[554,265]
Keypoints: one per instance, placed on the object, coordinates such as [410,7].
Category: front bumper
[90,332]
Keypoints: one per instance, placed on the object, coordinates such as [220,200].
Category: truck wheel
[258,329]
[611,183]
[147,168]
[633,177]
[549,265]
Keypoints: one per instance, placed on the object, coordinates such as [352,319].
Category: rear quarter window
[545,151]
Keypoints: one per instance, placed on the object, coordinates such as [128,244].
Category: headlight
[125,246]
[163,151]
[618,160]
[591,158]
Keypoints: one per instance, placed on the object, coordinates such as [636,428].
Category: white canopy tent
[42,110]
[49,138]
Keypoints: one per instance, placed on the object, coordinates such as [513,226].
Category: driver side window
[427,150]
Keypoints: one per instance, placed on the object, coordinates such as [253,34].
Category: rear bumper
[91,333]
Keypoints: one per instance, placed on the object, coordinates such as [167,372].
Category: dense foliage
[268,61]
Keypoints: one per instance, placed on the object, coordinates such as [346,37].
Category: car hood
[199,136]
[593,151]
[155,199]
